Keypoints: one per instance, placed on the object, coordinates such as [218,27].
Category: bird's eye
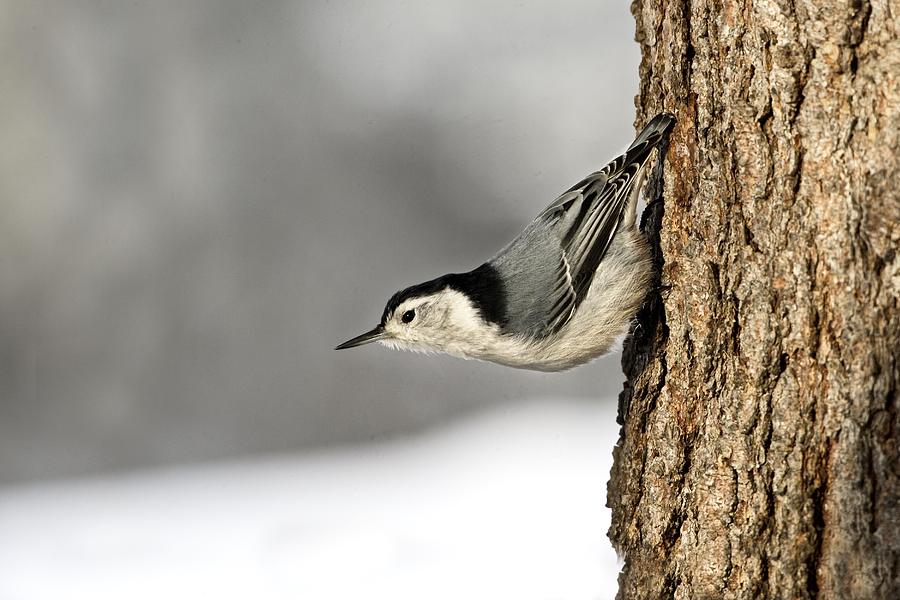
[408,316]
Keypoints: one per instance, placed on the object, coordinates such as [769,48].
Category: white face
[444,321]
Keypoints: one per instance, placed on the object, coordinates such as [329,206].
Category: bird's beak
[367,338]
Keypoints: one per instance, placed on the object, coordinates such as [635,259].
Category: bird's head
[435,316]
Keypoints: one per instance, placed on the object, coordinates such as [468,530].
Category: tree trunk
[759,453]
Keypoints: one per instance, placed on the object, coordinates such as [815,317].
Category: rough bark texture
[760,445]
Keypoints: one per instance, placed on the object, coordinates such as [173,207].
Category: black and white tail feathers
[652,134]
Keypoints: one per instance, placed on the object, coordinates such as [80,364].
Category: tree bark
[759,455]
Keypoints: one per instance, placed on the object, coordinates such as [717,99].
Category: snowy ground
[506,505]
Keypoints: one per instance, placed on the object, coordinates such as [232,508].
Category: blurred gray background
[200,199]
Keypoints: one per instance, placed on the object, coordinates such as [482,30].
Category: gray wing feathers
[565,299]
[536,281]
[587,240]
[550,267]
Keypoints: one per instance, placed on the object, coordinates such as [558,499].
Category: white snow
[508,504]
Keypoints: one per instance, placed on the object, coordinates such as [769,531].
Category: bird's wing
[586,217]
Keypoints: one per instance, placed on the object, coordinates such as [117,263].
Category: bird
[558,295]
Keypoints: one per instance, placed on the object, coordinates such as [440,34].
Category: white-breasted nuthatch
[557,296]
